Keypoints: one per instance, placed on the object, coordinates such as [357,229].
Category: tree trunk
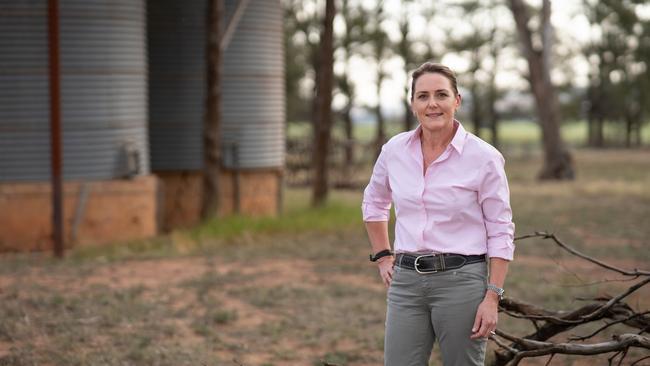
[380,139]
[492,94]
[591,114]
[211,126]
[600,135]
[492,115]
[557,159]
[409,118]
[349,143]
[476,109]
[637,135]
[477,114]
[324,123]
[628,131]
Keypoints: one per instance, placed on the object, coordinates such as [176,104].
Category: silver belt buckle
[415,264]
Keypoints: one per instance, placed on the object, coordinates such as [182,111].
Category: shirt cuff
[501,248]
[372,212]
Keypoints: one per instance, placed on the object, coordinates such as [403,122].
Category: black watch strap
[383,253]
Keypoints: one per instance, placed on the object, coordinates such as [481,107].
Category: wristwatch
[381,254]
[499,291]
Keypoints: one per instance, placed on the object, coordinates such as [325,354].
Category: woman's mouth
[434,115]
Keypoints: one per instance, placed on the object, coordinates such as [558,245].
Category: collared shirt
[461,205]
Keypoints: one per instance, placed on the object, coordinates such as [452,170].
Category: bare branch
[546,235]
[550,359]
[615,299]
[503,345]
[582,338]
[639,360]
[624,353]
[536,348]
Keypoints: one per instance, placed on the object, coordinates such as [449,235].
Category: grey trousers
[423,308]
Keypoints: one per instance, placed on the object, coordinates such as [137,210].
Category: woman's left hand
[486,318]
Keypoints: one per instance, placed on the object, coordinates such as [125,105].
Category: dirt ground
[243,307]
[311,297]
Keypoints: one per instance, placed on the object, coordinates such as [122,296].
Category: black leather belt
[432,263]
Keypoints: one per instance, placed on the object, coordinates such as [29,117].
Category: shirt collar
[457,142]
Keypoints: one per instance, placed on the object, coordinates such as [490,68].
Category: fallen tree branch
[582,338]
[555,322]
[537,348]
[573,251]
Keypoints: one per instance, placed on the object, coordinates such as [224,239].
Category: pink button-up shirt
[461,205]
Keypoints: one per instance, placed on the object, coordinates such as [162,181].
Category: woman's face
[434,102]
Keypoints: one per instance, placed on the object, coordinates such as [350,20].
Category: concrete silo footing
[95,212]
[258,194]
[102,212]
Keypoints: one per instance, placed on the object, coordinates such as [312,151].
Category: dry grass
[294,296]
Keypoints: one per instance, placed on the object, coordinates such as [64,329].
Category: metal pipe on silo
[236,178]
[232,24]
[55,126]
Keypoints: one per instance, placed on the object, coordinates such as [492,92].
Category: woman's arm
[494,197]
[488,311]
[376,204]
[378,236]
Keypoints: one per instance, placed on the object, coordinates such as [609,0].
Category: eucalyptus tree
[619,55]
[354,18]
[302,28]
[405,49]
[380,49]
[558,163]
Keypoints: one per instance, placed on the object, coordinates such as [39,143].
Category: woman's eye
[422,97]
[442,95]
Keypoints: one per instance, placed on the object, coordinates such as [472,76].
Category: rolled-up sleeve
[377,196]
[494,198]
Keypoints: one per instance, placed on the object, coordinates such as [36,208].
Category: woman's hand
[385,266]
[486,318]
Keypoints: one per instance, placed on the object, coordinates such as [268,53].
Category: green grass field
[298,289]
[512,133]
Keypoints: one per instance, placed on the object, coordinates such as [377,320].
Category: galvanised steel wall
[103,89]
[252,89]
[177,82]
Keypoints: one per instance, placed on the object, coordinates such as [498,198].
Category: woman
[453,215]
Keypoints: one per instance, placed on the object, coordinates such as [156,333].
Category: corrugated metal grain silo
[253,106]
[103,77]
[103,89]
[253,88]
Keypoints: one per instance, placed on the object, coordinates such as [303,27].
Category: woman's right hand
[385,266]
